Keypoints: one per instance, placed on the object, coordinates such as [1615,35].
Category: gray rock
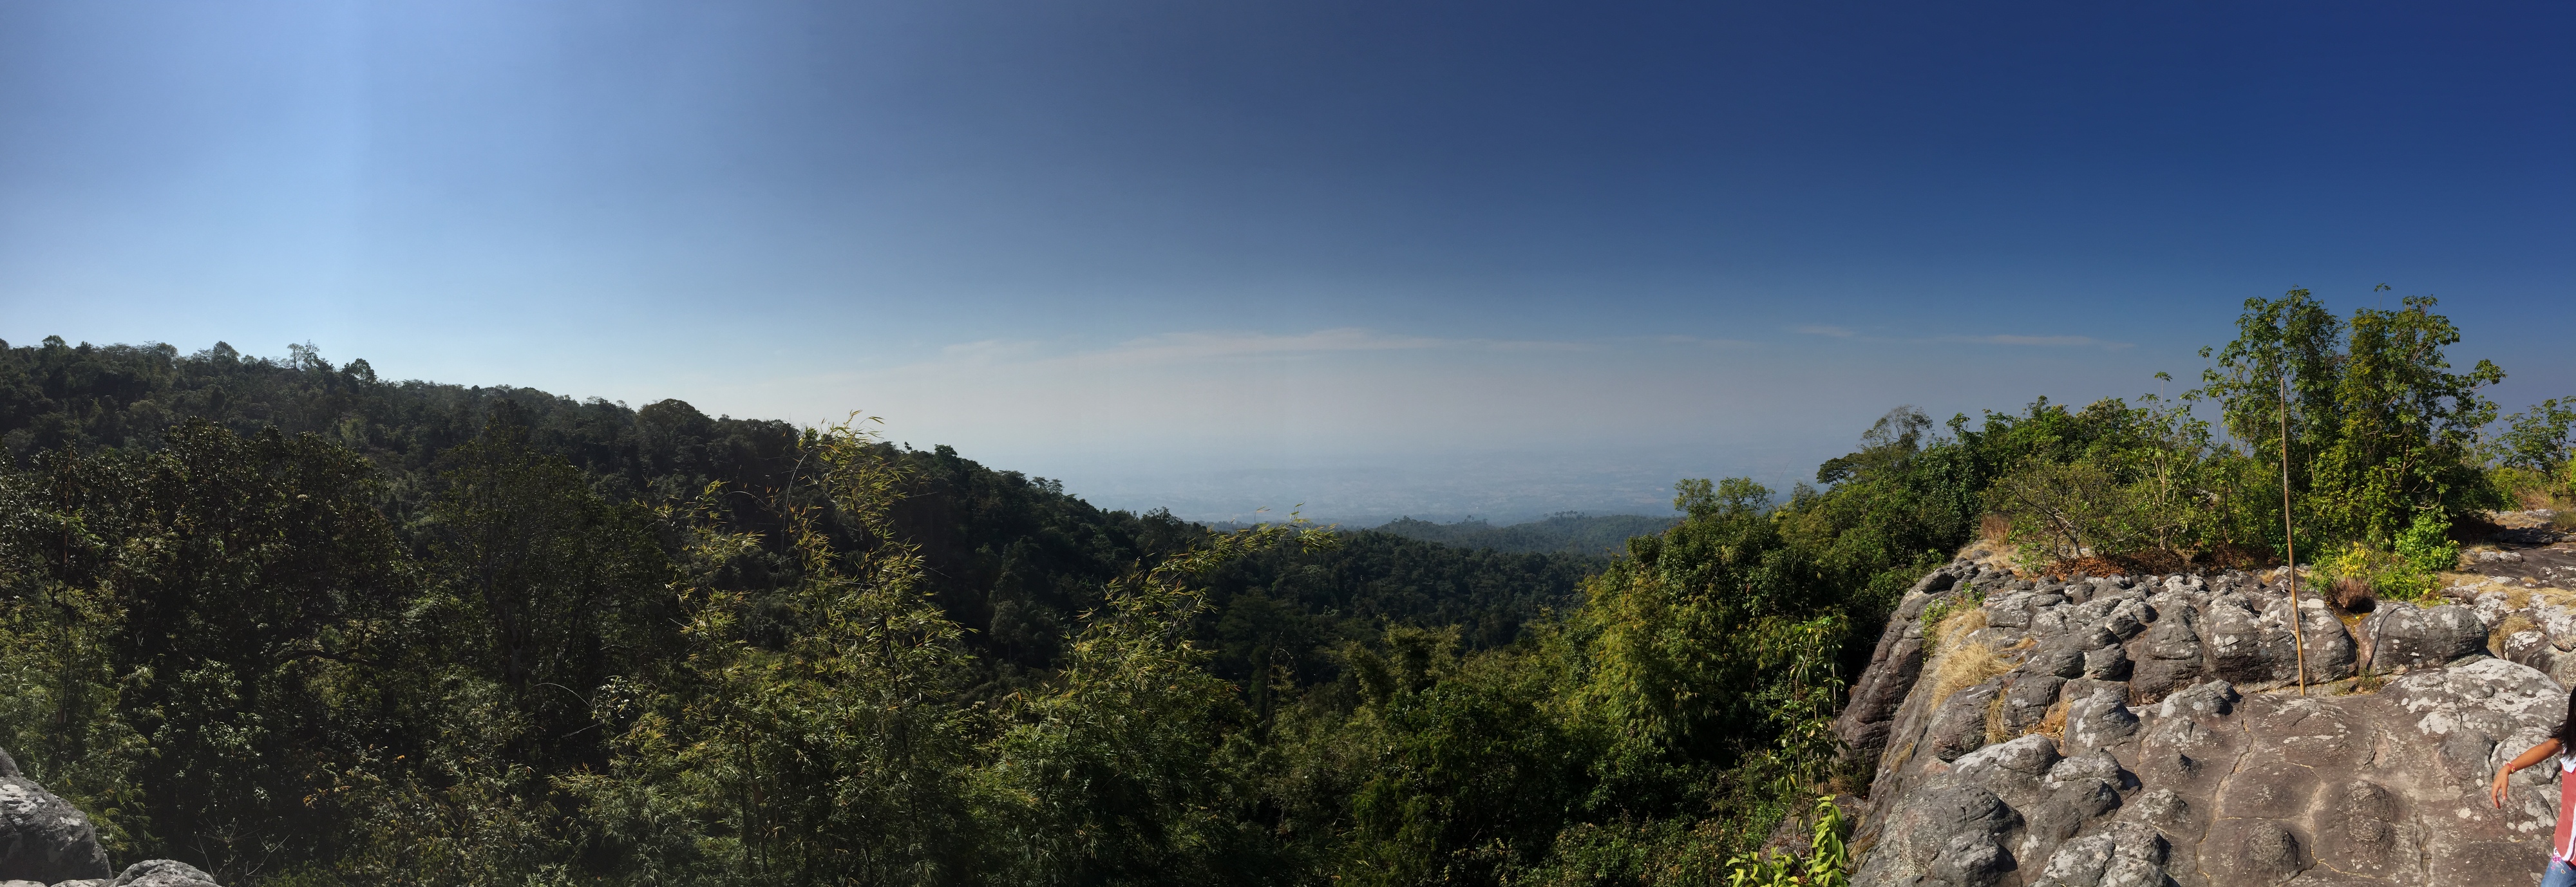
[1970,860]
[2169,655]
[2254,851]
[2235,637]
[1946,819]
[2060,661]
[163,873]
[2531,648]
[2125,853]
[2128,617]
[2227,775]
[43,838]
[2330,650]
[2093,766]
[2200,700]
[1959,727]
[2027,698]
[2403,635]
[2012,770]
[2064,811]
[2107,664]
[2099,722]
[2162,808]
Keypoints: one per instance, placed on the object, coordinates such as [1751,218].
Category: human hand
[2496,793]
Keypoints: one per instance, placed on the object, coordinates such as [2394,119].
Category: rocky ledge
[46,841]
[2152,731]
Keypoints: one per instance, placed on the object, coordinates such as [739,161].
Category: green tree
[2379,427]
[1134,765]
[238,591]
[842,756]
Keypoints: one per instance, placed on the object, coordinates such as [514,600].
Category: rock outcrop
[44,840]
[2150,731]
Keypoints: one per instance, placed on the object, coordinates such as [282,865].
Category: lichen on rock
[2187,753]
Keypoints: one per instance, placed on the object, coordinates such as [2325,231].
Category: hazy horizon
[1503,259]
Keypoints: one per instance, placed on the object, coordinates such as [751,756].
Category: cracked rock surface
[2150,732]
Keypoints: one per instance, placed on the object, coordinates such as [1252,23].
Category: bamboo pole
[2289,538]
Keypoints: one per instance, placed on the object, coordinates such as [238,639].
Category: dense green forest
[1567,533]
[300,625]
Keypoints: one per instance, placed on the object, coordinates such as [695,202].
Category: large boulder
[2202,762]
[163,873]
[42,837]
[2403,636]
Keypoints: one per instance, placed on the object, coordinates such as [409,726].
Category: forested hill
[294,624]
[1012,558]
[1567,533]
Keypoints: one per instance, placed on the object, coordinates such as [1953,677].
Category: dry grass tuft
[2052,724]
[2089,566]
[2509,626]
[1956,626]
[1994,530]
[1995,731]
[1965,665]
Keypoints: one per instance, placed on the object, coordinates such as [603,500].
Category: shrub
[2410,572]
[1826,864]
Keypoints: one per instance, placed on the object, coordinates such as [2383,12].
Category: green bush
[1826,864]
[2408,571]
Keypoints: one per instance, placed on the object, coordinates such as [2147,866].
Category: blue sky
[1380,257]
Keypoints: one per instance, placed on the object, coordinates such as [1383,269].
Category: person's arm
[2537,754]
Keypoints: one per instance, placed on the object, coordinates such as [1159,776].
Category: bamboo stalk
[2289,538]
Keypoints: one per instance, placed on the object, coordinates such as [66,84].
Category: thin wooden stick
[2289,536]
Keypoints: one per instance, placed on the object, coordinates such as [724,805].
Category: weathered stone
[1959,727]
[2099,722]
[1863,724]
[2107,664]
[2331,654]
[2243,778]
[2128,617]
[2235,637]
[2253,851]
[2200,701]
[2403,635]
[2027,698]
[2060,661]
[2013,770]
[1971,860]
[2366,833]
[2531,648]
[2064,810]
[1925,825]
[163,873]
[2168,655]
[2093,766]
[43,838]
[2128,852]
